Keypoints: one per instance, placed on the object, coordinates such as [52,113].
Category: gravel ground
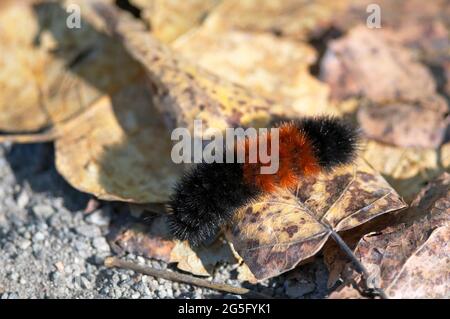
[49,248]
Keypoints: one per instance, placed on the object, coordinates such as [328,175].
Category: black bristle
[206,198]
[334,141]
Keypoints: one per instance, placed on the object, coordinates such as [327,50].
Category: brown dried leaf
[50,72]
[403,125]
[271,66]
[119,150]
[421,26]
[154,241]
[366,63]
[170,19]
[412,258]
[276,232]
[446,77]
[345,292]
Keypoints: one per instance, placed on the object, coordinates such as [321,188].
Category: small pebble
[38,237]
[43,211]
[135,295]
[85,284]
[101,244]
[23,243]
[23,199]
[99,218]
[90,231]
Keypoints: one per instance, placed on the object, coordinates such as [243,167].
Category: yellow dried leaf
[119,150]
[184,91]
[169,19]
[273,67]
[51,72]
[201,261]
[274,233]
[406,169]
[292,18]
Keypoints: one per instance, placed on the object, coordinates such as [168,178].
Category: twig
[178,277]
[29,138]
[359,267]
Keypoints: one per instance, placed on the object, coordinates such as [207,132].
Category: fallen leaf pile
[109,94]
[411,259]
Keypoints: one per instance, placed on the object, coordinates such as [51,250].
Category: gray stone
[23,243]
[135,295]
[44,211]
[90,231]
[14,276]
[39,236]
[23,199]
[100,244]
[85,283]
[99,218]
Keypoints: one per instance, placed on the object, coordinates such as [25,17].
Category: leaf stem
[359,267]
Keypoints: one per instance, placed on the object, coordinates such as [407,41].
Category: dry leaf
[169,19]
[276,232]
[345,292]
[184,91]
[446,80]
[421,26]
[119,150]
[403,124]
[412,259]
[444,156]
[407,169]
[202,261]
[273,67]
[50,72]
[291,18]
[381,70]
[154,241]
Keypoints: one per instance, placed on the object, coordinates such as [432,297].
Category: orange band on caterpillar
[296,159]
[206,197]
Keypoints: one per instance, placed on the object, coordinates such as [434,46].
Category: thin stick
[359,267]
[187,279]
[29,138]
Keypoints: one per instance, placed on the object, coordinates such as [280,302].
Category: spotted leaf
[277,231]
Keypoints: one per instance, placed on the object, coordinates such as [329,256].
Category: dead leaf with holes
[411,259]
[153,240]
[277,231]
[270,66]
[119,150]
[170,19]
[50,71]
